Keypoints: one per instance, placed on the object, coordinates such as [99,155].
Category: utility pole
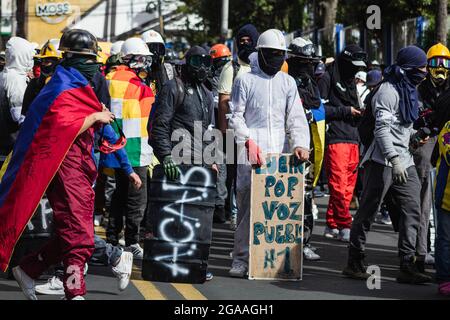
[441,21]
[224,23]
[161,19]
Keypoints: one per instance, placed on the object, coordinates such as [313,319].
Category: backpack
[366,125]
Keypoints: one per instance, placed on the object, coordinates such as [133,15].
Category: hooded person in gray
[389,166]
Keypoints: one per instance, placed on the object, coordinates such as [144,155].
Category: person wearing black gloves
[389,166]
[182,101]
[342,105]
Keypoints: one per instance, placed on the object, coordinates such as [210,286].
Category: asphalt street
[321,279]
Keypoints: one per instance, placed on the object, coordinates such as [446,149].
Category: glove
[399,173]
[254,153]
[170,168]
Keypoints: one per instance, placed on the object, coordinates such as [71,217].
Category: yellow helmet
[50,50]
[104,49]
[438,50]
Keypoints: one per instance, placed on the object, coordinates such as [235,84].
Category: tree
[441,21]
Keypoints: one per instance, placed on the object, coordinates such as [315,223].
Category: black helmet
[79,42]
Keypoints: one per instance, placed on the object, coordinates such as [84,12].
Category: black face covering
[270,63]
[48,70]
[198,74]
[245,51]
[416,76]
[298,68]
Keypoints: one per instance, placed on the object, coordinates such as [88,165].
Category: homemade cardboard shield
[276,219]
[181,213]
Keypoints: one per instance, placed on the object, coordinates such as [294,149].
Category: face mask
[48,69]
[199,67]
[87,69]
[270,63]
[198,74]
[299,69]
[245,51]
[416,76]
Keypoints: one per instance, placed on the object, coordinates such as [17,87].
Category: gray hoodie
[391,138]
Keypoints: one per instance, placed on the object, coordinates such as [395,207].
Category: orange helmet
[219,51]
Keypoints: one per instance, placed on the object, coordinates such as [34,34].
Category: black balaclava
[303,73]
[48,70]
[347,69]
[196,74]
[245,50]
[269,62]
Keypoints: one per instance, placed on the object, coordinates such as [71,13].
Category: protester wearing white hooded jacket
[13,83]
[266,111]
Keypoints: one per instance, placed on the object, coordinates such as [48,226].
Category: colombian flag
[52,124]
[318,138]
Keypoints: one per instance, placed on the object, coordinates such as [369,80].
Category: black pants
[377,182]
[129,202]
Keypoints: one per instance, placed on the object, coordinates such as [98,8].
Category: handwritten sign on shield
[276,221]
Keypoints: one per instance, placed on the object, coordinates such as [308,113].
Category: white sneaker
[238,271]
[98,220]
[344,235]
[54,286]
[386,221]
[123,269]
[74,298]
[86,267]
[136,250]
[331,233]
[309,254]
[315,211]
[122,242]
[25,283]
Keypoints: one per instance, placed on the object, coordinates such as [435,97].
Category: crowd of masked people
[375,134]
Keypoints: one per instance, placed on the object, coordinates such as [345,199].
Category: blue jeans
[442,256]
[105,253]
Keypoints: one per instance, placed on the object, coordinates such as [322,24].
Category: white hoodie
[268,110]
[13,80]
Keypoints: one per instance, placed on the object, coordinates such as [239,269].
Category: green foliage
[289,15]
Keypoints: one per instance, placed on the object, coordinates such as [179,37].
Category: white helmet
[151,36]
[272,39]
[361,75]
[116,47]
[135,46]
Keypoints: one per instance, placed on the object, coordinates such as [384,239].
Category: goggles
[106,147]
[437,62]
[200,60]
[308,50]
[140,62]
[356,56]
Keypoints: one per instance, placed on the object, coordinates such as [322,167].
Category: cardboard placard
[276,220]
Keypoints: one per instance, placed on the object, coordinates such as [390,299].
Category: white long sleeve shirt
[268,110]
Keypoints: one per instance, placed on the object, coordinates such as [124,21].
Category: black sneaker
[409,273]
[356,269]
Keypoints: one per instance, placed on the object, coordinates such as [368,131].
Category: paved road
[321,279]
